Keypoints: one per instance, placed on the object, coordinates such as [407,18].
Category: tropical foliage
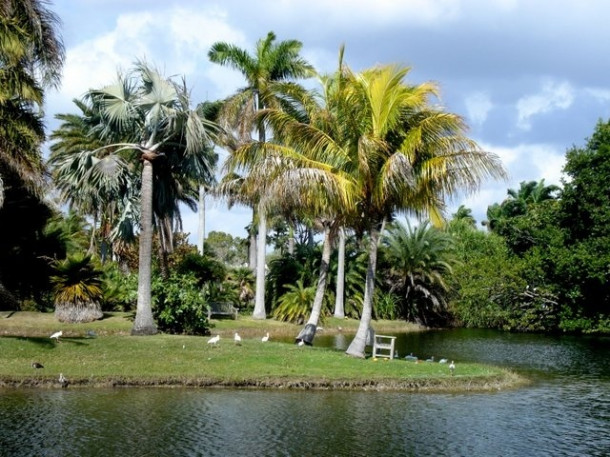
[77,287]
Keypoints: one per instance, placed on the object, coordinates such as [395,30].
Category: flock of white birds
[236,339]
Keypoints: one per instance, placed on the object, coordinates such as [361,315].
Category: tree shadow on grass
[47,343]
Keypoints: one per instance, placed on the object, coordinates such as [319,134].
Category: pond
[564,412]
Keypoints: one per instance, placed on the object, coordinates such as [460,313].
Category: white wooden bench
[383,346]
[222,309]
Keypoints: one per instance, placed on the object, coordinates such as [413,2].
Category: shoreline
[471,384]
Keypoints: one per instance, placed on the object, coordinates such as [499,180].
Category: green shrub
[179,305]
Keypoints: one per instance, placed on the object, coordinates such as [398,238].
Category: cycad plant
[77,289]
[295,304]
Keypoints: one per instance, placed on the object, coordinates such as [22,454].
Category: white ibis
[214,340]
[63,381]
[431,359]
[37,365]
[443,361]
[56,335]
[237,339]
[411,357]
[452,367]
[301,343]
[265,338]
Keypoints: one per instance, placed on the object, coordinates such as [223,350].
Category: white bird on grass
[443,361]
[265,338]
[301,343]
[237,339]
[214,340]
[452,367]
[63,381]
[56,335]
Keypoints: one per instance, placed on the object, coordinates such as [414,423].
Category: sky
[529,76]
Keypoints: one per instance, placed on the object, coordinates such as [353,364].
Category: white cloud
[478,105]
[603,95]
[346,12]
[553,96]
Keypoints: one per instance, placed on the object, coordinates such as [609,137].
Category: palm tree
[154,114]
[408,157]
[266,73]
[91,179]
[31,57]
[421,259]
[465,214]
[77,286]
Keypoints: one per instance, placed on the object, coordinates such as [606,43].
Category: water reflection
[566,412]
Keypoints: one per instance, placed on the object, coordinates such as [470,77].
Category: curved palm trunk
[259,303]
[358,344]
[308,333]
[144,323]
[340,290]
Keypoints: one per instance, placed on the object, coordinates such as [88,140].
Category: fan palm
[266,73]
[153,114]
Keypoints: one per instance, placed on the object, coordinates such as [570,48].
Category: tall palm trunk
[291,240]
[259,303]
[308,333]
[358,344]
[340,290]
[201,228]
[252,247]
[144,323]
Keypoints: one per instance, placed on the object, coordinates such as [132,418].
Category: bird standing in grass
[55,336]
[63,381]
[214,340]
[452,367]
[265,338]
[237,339]
[37,365]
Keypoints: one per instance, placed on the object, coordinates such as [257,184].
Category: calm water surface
[565,412]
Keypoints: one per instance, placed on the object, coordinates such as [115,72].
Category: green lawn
[112,357]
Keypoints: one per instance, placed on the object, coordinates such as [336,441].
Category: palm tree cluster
[364,148]
[348,156]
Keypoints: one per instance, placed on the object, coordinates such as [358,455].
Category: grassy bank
[102,353]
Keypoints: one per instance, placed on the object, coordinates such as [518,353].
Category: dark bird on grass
[63,381]
[37,365]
